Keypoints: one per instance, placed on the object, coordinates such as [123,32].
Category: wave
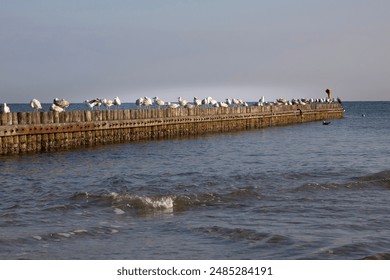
[242,234]
[376,180]
[121,202]
[124,202]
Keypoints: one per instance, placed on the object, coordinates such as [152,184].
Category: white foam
[80,231]
[64,234]
[161,203]
[119,211]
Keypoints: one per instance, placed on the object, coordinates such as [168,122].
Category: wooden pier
[26,132]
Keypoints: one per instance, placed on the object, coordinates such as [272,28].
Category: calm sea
[305,191]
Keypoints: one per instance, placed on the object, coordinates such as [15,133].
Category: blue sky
[80,50]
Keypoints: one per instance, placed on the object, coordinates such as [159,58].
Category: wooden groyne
[23,132]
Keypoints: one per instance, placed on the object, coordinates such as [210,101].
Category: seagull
[117,102]
[139,102]
[173,105]
[97,102]
[61,103]
[4,108]
[56,108]
[237,101]
[36,105]
[261,101]
[182,102]
[108,103]
[213,102]
[283,101]
[207,100]
[223,104]
[197,102]
[158,101]
[147,101]
[90,104]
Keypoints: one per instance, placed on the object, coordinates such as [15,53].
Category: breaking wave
[123,202]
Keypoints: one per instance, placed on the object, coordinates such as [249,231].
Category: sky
[83,49]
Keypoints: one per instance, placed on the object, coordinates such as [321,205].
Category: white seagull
[147,101]
[35,104]
[61,103]
[197,102]
[139,102]
[56,108]
[108,103]
[90,104]
[4,108]
[158,101]
[117,102]
[173,105]
[182,101]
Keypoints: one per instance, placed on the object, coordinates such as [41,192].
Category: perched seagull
[108,103]
[182,102]
[56,108]
[36,105]
[61,103]
[97,102]
[117,102]
[139,102]
[213,102]
[223,104]
[158,101]
[282,101]
[228,101]
[173,105]
[4,108]
[90,104]
[261,101]
[197,102]
[237,101]
[206,101]
[147,101]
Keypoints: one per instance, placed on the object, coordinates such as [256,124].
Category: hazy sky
[82,49]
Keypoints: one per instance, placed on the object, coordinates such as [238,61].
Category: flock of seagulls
[145,102]
[208,101]
[98,102]
[60,105]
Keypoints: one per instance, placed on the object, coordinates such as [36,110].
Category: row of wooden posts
[22,132]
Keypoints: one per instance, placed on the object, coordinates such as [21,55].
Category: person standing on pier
[329,93]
